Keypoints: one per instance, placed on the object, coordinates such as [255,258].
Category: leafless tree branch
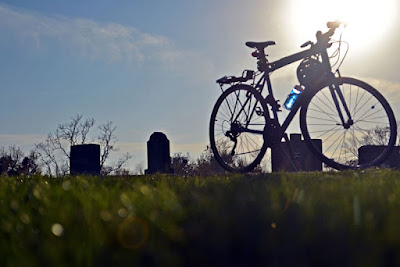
[107,140]
[54,152]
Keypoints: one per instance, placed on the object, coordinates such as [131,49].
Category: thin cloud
[22,140]
[95,40]
[390,90]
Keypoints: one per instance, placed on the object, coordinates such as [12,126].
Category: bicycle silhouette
[345,113]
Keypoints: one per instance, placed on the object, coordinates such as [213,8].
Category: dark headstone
[85,159]
[368,153]
[158,156]
[304,159]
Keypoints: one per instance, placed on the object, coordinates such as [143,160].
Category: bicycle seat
[259,45]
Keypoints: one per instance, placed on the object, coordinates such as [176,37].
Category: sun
[367,21]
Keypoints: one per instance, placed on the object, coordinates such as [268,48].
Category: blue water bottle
[296,91]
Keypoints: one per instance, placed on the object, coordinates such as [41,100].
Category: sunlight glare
[368,21]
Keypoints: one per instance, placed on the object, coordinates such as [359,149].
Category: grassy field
[305,219]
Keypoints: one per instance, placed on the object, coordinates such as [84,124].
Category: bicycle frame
[320,48]
[324,113]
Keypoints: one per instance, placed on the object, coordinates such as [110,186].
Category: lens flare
[133,233]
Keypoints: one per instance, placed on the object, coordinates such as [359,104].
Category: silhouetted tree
[13,162]
[379,135]
[54,151]
[182,164]
[376,136]
[139,169]
[205,164]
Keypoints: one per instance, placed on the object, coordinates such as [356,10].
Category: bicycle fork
[336,92]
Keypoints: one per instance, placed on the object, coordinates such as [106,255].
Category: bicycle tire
[372,116]
[250,147]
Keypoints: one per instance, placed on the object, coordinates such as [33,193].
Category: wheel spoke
[373,123]
[236,127]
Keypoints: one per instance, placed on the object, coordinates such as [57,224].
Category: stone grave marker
[367,153]
[85,159]
[304,158]
[158,155]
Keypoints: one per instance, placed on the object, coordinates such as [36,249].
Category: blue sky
[151,65]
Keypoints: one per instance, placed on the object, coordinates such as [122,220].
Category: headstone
[368,153]
[85,159]
[304,159]
[158,156]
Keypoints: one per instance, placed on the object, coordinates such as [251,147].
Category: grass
[285,219]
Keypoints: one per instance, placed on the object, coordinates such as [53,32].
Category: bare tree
[376,136]
[182,164]
[107,140]
[54,151]
[47,156]
[117,167]
[139,169]
[14,162]
[206,163]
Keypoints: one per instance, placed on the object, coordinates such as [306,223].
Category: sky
[151,66]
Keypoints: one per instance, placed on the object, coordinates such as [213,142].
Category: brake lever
[307,44]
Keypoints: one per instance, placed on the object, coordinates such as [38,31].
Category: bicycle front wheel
[371,123]
[237,128]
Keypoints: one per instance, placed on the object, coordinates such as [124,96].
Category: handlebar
[334,24]
[325,37]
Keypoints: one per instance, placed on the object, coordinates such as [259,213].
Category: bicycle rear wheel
[237,128]
[373,123]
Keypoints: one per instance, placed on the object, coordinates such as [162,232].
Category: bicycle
[345,113]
